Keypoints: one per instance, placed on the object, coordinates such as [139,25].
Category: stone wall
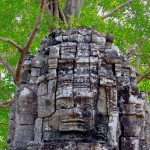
[79,93]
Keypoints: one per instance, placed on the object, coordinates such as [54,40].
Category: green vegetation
[4,116]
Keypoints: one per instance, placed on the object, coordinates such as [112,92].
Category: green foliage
[4,116]
[7,87]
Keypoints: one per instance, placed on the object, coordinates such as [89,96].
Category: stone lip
[79,92]
[81,121]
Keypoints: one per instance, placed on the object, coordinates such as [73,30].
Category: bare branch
[117,9]
[62,15]
[18,69]
[3,124]
[36,27]
[145,75]
[56,11]
[131,51]
[51,7]
[72,9]
[6,104]
[6,64]
[13,43]
[138,58]
[47,6]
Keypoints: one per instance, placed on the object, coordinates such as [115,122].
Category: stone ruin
[79,93]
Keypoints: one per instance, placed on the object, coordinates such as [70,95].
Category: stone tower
[79,93]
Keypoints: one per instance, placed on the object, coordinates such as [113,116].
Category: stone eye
[48,102]
[62,106]
[87,106]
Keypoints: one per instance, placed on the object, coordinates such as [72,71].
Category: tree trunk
[71,9]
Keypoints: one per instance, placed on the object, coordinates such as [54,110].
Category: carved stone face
[75,99]
[76,114]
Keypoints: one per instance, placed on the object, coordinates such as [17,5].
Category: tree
[126,20]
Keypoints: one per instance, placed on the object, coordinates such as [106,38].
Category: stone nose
[75,113]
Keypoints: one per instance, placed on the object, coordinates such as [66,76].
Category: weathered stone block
[25,75]
[68,50]
[83,60]
[130,109]
[24,134]
[35,72]
[82,70]
[81,83]
[46,105]
[42,89]
[102,101]
[129,143]
[33,80]
[91,146]
[27,64]
[54,51]
[113,130]
[44,44]
[102,130]
[65,38]
[65,69]
[27,119]
[33,145]
[83,50]
[76,38]
[94,49]
[94,81]
[87,38]
[58,146]
[51,87]
[53,63]
[98,39]
[38,61]
[52,74]
[132,131]
[27,98]
[38,125]
[59,38]
[38,136]
[40,79]
[64,93]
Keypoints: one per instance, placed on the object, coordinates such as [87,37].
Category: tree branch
[131,51]
[10,69]
[24,51]
[13,43]
[145,75]
[117,9]
[56,11]
[36,27]
[3,124]
[62,14]
[18,69]
[138,58]
[6,104]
